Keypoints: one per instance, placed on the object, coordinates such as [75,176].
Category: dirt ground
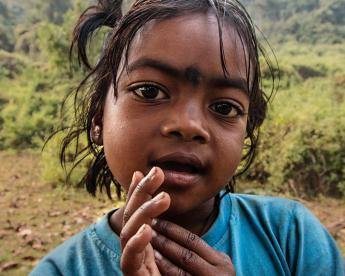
[35,218]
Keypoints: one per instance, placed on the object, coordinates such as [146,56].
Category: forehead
[191,42]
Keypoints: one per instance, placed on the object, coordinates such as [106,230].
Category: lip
[174,178]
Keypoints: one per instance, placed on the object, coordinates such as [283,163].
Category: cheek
[119,145]
[115,149]
[233,151]
[126,141]
[230,151]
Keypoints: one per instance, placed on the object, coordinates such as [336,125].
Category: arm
[46,267]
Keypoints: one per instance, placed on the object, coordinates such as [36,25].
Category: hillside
[307,21]
[307,39]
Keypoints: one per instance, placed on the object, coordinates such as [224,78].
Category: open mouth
[179,167]
[180,163]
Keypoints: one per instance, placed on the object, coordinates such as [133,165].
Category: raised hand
[141,207]
[180,252]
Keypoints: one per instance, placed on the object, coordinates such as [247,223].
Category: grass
[35,218]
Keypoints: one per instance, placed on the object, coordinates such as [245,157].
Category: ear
[96,131]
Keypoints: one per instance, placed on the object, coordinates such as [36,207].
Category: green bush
[53,172]
[302,147]
[11,65]
[31,109]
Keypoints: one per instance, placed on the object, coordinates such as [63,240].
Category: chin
[174,212]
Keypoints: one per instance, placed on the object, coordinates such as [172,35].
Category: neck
[197,221]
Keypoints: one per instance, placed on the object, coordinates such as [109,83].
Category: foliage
[308,21]
[6,28]
[18,17]
[302,146]
[53,172]
[33,87]
[11,65]
[302,142]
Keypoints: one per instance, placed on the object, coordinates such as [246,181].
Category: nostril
[176,134]
[187,132]
[199,138]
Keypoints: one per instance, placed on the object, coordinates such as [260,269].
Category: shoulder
[277,216]
[61,259]
[258,201]
[265,207]
[292,230]
[95,249]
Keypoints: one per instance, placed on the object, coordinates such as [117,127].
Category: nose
[185,124]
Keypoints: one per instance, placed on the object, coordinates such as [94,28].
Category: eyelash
[138,91]
[230,108]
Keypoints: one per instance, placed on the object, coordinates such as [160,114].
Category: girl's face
[176,110]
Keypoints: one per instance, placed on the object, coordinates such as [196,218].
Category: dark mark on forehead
[193,75]
[190,74]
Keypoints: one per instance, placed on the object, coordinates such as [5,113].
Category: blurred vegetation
[302,148]
[308,21]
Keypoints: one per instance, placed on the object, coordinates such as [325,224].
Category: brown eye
[226,109]
[149,92]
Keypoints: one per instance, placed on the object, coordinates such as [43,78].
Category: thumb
[134,255]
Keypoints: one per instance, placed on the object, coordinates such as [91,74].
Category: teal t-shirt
[262,235]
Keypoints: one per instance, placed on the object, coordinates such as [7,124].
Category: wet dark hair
[90,96]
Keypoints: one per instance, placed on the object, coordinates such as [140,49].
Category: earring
[96,135]
[97,131]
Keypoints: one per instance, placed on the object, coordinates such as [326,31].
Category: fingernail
[134,177]
[159,197]
[154,222]
[154,233]
[158,255]
[142,229]
[152,173]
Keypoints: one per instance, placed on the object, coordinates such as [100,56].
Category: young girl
[172,116]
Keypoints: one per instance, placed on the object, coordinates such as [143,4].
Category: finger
[144,215]
[186,239]
[133,255]
[185,259]
[166,267]
[143,192]
[137,177]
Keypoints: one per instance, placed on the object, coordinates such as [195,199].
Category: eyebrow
[218,82]
[239,83]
